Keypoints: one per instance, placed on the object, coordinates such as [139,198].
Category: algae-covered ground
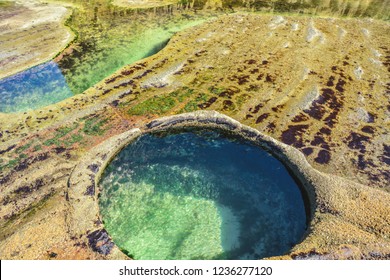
[313,76]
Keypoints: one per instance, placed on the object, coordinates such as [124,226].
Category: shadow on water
[157,47]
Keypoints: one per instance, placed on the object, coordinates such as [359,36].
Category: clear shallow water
[34,88]
[123,43]
[110,37]
[200,195]
[91,62]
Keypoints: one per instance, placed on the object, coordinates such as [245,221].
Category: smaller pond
[200,194]
[91,61]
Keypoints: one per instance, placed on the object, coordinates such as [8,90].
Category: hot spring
[200,194]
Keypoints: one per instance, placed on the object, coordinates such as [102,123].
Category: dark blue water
[34,88]
[200,195]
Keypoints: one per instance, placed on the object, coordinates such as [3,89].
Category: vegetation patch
[94,127]
[161,104]
[195,103]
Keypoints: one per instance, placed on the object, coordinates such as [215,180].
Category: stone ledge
[334,223]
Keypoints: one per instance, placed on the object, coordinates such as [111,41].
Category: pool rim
[83,190]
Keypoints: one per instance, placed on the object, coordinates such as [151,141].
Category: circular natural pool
[200,194]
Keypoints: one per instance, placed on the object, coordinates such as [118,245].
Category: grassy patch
[193,105]
[241,99]
[182,93]
[93,127]
[161,104]
[156,105]
[67,136]
[52,141]
[37,148]
[5,4]
[75,138]
[22,156]
[10,164]
[215,90]
[61,132]
[23,148]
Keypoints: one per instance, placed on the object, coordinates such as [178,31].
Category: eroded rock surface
[31,33]
[320,85]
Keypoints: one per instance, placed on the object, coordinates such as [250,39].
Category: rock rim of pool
[330,201]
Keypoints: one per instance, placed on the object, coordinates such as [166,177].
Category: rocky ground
[31,33]
[320,85]
[143,3]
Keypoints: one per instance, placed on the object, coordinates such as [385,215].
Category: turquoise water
[200,195]
[34,88]
[88,64]
[124,43]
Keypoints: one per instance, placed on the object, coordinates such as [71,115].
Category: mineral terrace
[318,84]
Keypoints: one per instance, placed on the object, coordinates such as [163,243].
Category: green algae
[161,104]
[37,148]
[10,164]
[94,126]
[155,105]
[6,4]
[194,104]
[66,136]
[23,148]
[75,138]
[60,133]
[164,103]
[110,38]
[107,39]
